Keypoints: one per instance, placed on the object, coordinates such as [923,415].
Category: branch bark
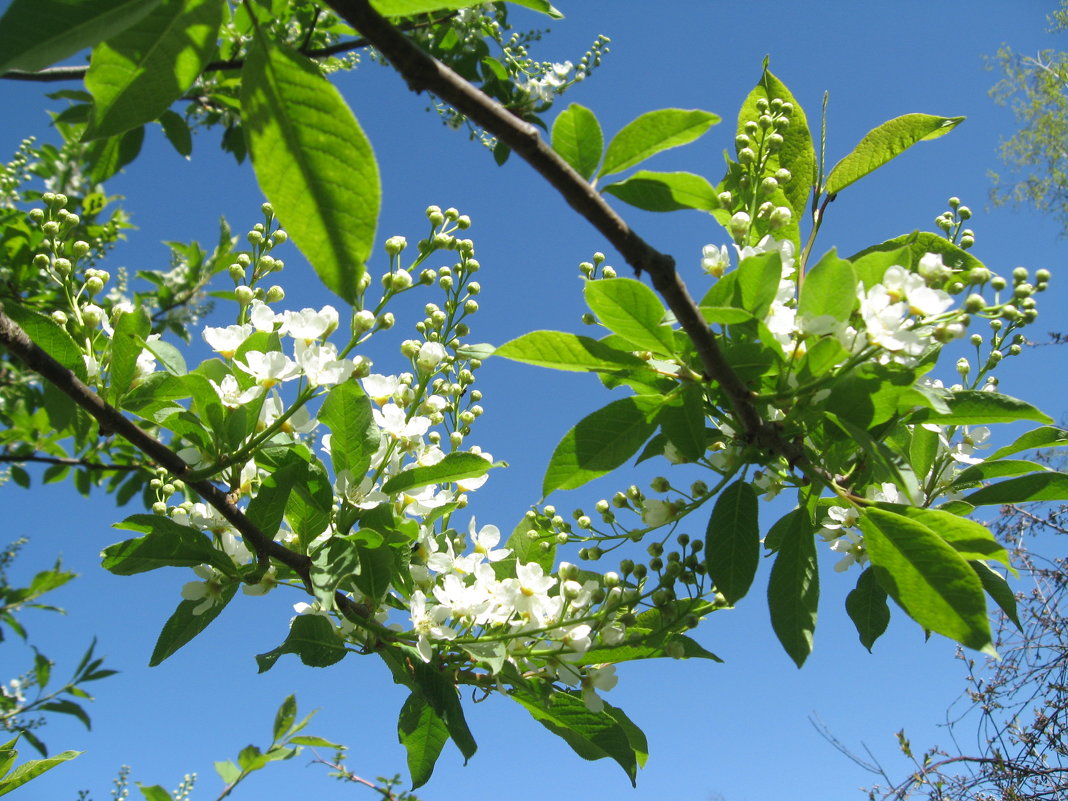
[18,343]
[422,73]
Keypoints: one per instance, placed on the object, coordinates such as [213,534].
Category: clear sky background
[739,731]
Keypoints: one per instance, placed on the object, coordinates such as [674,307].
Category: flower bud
[739,224]
[974,303]
[774,142]
[1019,275]
[36,215]
[1042,276]
[979,275]
[80,248]
[275,294]
[267,209]
[395,244]
[746,155]
[244,295]
[92,315]
[59,318]
[51,228]
[92,285]
[279,237]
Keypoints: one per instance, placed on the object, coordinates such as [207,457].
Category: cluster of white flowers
[550,84]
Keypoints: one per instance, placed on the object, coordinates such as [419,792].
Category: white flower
[472,484]
[427,623]
[656,513]
[392,420]
[226,341]
[269,368]
[971,438]
[485,542]
[597,678]
[262,317]
[921,299]
[715,261]
[308,325]
[208,592]
[231,394]
[430,355]
[321,364]
[852,545]
[380,388]
[300,422]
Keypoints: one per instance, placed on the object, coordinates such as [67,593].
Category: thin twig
[70,462]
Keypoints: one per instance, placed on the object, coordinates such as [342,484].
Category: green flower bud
[954,202]
[1019,275]
[774,142]
[395,244]
[275,294]
[656,563]
[1024,290]
[59,318]
[964,212]
[36,215]
[769,185]
[471,306]
[746,155]
[783,175]
[51,228]
[976,340]
[80,248]
[463,222]
[237,273]
[998,283]
[726,199]
[40,261]
[1043,275]
[660,484]
[92,286]
[279,237]
[244,295]
[267,209]
[979,275]
[974,303]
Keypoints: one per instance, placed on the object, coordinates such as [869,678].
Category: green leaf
[867,608]
[561,351]
[984,471]
[1035,487]
[176,129]
[969,539]
[665,191]
[267,509]
[423,734]
[109,155]
[309,507]
[577,137]
[154,793]
[794,588]
[66,707]
[408,8]
[683,423]
[165,544]
[632,310]
[312,161]
[732,541]
[883,143]
[354,437]
[126,345]
[927,577]
[28,771]
[998,588]
[48,336]
[183,625]
[652,133]
[830,289]
[600,442]
[135,76]
[284,717]
[758,282]
[454,467]
[796,153]
[645,643]
[37,33]
[527,549]
[920,243]
[313,638]
[591,735]
[169,357]
[1043,437]
[975,407]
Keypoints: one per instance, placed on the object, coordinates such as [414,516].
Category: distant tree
[1036,89]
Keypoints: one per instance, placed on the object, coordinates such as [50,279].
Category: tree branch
[109,418]
[422,72]
[13,458]
[54,74]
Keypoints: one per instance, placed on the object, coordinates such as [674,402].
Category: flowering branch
[425,73]
[109,418]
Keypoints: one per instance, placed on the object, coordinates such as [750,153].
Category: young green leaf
[135,76]
[176,129]
[973,541]
[577,137]
[423,734]
[683,423]
[126,345]
[312,161]
[561,351]
[652,133]
[600,442]
[867,608]
[830,290]
[1042,437]
[883,143]
[592,735]
[454,467]
[998,588]
[1035,487]
[37,33]
[927,577]
[920,243]
[758,282]
[796,153]
[185,624]
[973,407]
[732,541]
[984,471]
[633,311]
[354,437]
[165,544]
[49,336]
[28,771]
[794,589]
[312,638]
[665,191]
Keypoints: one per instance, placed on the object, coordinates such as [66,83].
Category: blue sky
[739,730]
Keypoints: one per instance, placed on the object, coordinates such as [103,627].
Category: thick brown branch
[16,341]
[424,73]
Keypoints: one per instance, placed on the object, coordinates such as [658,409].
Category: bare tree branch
[70,462]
